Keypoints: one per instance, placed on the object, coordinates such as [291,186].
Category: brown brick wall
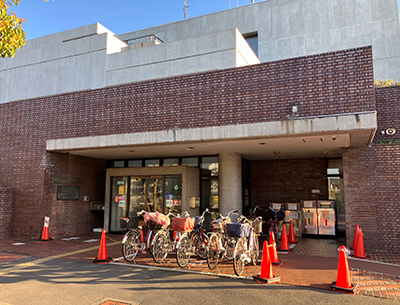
[6,206]
[388,113]
[372,195]
[325,84]
[372,179]
[287,180]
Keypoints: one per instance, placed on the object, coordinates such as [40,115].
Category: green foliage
[385,83]
[12,36]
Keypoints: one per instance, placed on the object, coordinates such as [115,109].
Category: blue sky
[119,16]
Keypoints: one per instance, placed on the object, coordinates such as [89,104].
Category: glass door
[137,200]
[118,202]
[154,194]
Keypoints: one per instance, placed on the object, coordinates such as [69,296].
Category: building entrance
[132,194]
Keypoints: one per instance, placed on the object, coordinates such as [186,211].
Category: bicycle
[163,244]
[247,246]
[275,222]
[134,241]
[192,242]
[220,245]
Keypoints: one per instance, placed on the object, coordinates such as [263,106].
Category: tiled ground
[84,248]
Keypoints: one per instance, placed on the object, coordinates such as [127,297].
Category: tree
[12,36]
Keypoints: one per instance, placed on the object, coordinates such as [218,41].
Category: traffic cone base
[275,279]
[360,257]
[351,290]
[102,257]
[266,275]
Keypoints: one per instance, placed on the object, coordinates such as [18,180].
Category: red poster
[116,198]
[175,202]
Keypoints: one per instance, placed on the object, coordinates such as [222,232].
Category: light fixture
[262,143]
[390,131]
[190,148]
[131,151]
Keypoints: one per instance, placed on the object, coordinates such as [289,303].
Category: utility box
[294,212]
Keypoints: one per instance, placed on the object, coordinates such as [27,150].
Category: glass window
[171,162]
[152,163]
[119,163]
[135,163]
[334,167]
[173,194]
[190,162]
[252,40]
[210,163]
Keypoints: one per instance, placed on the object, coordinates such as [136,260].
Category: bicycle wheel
[255,250]
[238,259]
[131,245]
[150,241]
[229,248]
[160,242]
[200,242]
[183,251]
[213,251]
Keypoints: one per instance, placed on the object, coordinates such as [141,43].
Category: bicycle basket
[158,218]
[151,225]
[182,224]
[132,223]
[220,224]
[238,229]
[257,225]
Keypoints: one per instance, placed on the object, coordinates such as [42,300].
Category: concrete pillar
[230,182]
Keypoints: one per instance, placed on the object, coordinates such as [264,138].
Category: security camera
[334,138]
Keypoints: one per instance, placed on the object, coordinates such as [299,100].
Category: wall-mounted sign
[169,203]
[67,192]
[116,198]
[120,183]
[65,180]
[121,190]
[175,202]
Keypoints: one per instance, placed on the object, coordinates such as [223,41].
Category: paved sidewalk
[313,262]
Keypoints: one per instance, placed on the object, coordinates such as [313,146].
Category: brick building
[235,133]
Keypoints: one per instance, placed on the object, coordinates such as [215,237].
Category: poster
[121,190]
[175,202]
[169,203]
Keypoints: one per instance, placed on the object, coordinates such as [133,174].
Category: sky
[119,16]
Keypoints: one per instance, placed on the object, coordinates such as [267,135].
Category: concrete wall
[92,57]
[292,28]
[213,51]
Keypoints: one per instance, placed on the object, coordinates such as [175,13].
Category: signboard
[175,202]
[169,203]
[121,190]
[67,192]
[60,180]
[121,201]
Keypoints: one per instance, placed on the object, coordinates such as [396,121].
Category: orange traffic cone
[266,275]
[292,237]
[355,238]
[343,280]
[359,251]
[102,257]
[273,254]
[45,233]
[284,241]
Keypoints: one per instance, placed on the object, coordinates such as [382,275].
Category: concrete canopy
[300,138]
